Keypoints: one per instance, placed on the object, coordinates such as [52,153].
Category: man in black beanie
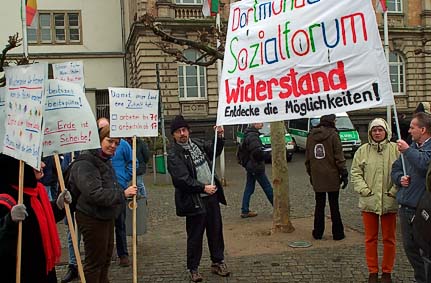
[189,164]
[326,167]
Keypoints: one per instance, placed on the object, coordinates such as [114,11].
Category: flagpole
[219,68]
[24,28]
[386,47]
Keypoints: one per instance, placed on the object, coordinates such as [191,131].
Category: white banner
[72,72]
[134,112]
[2,115]
[69,123]
[294,59]
[25,100]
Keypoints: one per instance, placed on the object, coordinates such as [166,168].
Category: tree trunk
[280,181]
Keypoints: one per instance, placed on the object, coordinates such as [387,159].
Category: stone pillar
[165,9]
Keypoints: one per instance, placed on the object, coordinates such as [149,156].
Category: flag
[30,9]
[210,7]
[381,6]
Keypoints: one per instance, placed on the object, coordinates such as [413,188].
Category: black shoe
[72,274]
[339,237]
[315,236]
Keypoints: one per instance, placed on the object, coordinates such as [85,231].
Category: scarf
[48,230]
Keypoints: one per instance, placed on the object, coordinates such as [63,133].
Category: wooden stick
[135,262]
[70,220]
[20,201]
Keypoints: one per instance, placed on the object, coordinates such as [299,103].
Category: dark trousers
[98,238]
[196,225]
[120,234]
[319,215]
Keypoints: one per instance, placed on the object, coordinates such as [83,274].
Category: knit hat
[178,122]
[103,133]
[328,118]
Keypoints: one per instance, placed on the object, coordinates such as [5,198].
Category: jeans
[120,234]
[421,267]
[263,181]
[141,186]
[319,215]
[388,226]
[72,257]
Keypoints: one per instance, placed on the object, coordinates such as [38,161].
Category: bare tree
[13,42]
[206,45]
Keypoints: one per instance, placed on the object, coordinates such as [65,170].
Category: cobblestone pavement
[161,251]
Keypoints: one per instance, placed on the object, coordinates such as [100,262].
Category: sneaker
[124,261]
[249,214]
[220,269]
[72,274]
[195,276]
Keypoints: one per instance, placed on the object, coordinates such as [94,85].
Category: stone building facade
[409,23]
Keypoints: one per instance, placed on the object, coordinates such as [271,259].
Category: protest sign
[294,59]
[2,115]
[69,123]
[134,112]
[25,99]
[72,72]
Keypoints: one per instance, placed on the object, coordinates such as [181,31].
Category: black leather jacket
[188,201]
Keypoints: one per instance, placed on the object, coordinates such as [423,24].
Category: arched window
[192,79]
[397,73]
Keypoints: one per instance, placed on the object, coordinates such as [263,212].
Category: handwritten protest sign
[25,99]
[2,115]
[292,59]
[134,112]
[70,72]
[69,122]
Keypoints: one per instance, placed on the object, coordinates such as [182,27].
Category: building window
[56,27]
[192,84]
[102,103]
[397,73]
[188,2]
[394,6]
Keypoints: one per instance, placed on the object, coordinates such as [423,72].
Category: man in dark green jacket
[196,198]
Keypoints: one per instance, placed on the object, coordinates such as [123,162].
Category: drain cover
[299,244]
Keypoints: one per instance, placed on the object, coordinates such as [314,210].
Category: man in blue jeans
[411,186]
[255,167]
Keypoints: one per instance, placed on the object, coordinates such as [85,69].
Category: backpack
[421,223]
[242,154]
[69,185]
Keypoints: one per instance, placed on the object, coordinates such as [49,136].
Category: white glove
[64,197]
[18,212]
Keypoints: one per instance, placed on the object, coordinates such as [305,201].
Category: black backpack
[421,223]
[69,185]
[242,154]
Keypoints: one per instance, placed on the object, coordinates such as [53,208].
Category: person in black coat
[196,198]
[40,242]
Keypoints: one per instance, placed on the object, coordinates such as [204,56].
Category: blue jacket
[122,163]
[416,160]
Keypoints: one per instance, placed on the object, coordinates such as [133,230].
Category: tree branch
[210,54]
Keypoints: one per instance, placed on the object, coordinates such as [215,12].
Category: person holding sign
[411,184]
[196,198]
[326,166]
[40,241]
[100,200]
[371,179]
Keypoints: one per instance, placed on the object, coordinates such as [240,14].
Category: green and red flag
[381,6]
[210,7]
[30,9]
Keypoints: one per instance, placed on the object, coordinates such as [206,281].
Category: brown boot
[372,278]
[386,278]
[195,276]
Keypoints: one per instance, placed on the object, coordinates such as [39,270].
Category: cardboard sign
[69,123]
[25,100]
[294,59]
[2,115]
[134,112]
[72,72]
